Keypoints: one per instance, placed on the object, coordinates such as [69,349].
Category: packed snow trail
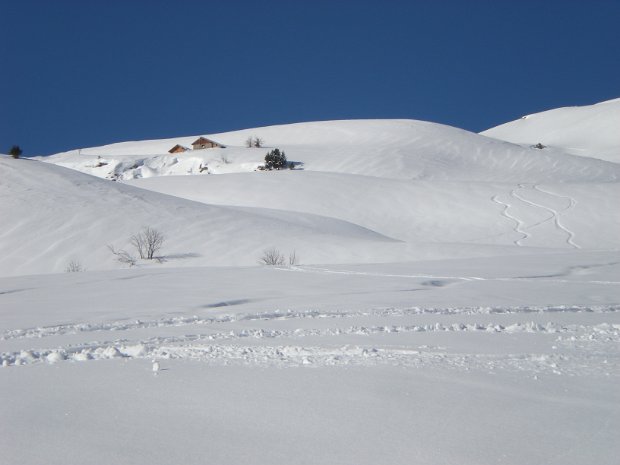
[197,321]
[589,339]
[326,338]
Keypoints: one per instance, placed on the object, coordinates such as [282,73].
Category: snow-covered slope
[559,215]
[394,149]
[592,131]
[412,189]
[509,332]
[52,215]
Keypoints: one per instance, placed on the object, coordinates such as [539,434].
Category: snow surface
[497,360]
[393,149]
[592,130]
[455,301]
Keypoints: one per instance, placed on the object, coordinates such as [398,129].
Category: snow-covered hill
[53,215]
[555,215]
[393,149]
[411,189]
[457,290]
[591,131]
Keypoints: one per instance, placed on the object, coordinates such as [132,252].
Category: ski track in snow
[579,349]
[555,214]
[519,224]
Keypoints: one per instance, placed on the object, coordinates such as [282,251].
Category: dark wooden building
[204,143]
[178,149]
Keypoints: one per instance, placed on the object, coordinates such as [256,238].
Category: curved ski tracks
[521,228]
[555,214]
[518,228]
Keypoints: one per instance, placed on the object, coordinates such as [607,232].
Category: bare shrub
[123,256]
[74,266]
[293,259]
[253,141]
[272,256]
[225,159]
[147,242]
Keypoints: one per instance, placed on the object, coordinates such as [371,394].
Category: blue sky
[85,73]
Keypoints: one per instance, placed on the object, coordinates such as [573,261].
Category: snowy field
[498,361]
[455,299]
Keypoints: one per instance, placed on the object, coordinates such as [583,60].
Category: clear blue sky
[84,73]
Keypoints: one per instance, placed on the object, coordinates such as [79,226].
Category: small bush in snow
[74,266]
[275,160]
[15,151]
[123,256]
[147,242]
[272,256]
[257,142]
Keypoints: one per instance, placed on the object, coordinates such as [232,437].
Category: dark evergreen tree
[15,151]
[275,160]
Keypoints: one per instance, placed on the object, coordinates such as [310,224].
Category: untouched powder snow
[590,131]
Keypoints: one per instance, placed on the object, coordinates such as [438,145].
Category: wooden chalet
[204,143]
[178,149]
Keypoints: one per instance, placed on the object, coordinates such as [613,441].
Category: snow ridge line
[293,355]
[59,330]
[518,228]
[556,215]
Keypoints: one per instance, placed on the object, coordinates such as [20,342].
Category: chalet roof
[204,140]
[178,146]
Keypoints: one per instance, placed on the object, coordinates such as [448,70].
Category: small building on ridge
[178,149]
[204,143]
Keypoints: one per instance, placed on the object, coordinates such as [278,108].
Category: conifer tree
[275,160]
[15,151]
